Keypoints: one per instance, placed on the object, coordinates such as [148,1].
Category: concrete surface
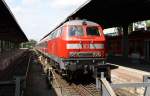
[36,85]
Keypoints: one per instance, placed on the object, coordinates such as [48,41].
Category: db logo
[86,46]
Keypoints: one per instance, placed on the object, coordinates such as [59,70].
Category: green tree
[29,44]
[148,24]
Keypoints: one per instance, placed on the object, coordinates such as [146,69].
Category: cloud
[38,17]
[30,2]
[65,3]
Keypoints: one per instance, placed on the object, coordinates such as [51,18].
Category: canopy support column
[125,43]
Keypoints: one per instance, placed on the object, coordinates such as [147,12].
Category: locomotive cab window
[93,31]
[76,31]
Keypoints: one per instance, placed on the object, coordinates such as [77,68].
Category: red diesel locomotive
[76,45]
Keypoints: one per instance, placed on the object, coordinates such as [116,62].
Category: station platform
[9,63]
[7,57]
[131,63]
[36,84]
[14,72]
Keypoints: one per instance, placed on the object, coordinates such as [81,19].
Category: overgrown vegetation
[29,44]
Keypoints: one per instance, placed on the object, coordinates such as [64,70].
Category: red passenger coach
[76,45]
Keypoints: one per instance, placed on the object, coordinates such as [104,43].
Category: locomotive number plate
[86,46]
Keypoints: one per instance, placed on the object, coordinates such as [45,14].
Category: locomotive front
[85,45]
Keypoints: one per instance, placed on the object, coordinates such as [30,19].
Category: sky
[38,17]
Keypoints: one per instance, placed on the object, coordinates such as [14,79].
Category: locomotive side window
[94,31]
[76,31]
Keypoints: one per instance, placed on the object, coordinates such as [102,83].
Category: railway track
[119,76]
[89,89]
[74,89]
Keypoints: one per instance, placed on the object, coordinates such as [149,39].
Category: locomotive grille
[85,54]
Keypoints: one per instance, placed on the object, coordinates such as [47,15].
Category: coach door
[147,50]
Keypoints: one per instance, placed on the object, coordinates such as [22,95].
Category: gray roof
[9,27]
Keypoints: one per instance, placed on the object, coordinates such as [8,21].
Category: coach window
[93,31]
[61,30]
[53,35]
[58,32]
[50,36]
[76,31]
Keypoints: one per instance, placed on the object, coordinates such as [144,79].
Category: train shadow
[129,62]
[83,79]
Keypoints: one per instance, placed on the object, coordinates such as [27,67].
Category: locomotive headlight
[96,54]
[72,54]
[103,53]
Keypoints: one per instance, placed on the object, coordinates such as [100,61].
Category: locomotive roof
[80,22]
[73,22]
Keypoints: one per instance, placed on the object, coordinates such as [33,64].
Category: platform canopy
[9,28]
[113,13]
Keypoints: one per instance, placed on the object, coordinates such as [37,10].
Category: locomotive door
[147,50]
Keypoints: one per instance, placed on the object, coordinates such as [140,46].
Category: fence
[107,89]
